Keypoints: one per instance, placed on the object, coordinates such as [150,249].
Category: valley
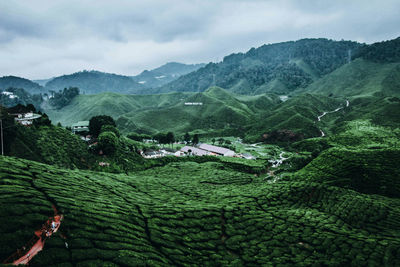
[284,155]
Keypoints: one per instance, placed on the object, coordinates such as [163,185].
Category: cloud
[40,39]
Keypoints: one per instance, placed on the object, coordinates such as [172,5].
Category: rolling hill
[220,110]
[93,82]
[17,82]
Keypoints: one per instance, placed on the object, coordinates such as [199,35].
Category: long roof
[196,151]
[81,124]
[215,149]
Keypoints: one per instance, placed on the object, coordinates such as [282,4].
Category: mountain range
[94,82]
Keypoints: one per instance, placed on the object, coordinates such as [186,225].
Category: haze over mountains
[93,82]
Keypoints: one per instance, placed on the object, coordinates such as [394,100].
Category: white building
[191,150]
[217,150]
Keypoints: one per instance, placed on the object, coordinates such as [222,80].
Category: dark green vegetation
[92,82]
[17,82]
[278,68]
[217,217]
[19,96]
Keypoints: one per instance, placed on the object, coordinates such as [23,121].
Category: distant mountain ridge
[165,74]
[92,82]
[277,68]
[18,82]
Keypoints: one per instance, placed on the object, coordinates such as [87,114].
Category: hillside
[165,74]
[359,78]
[83,107]
[218,217]
[94,82]
[17,82]
[293,119]
[279,68]
[219,113]
[220,110]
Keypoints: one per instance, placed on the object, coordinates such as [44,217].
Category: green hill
[359,78]
[217,217]
[94,82]
[280,68]
[220,110]
[293,119]
[17,82]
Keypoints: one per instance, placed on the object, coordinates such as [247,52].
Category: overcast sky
[42,39]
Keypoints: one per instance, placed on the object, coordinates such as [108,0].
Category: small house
[80,126]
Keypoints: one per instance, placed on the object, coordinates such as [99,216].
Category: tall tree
[97,122]
[186,138]
[195,139]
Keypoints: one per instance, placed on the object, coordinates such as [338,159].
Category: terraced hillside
[218,216]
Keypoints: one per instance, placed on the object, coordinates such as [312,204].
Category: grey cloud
[39,39]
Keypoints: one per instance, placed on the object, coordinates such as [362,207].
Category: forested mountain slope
[17,82]
[93,82]
[280,68]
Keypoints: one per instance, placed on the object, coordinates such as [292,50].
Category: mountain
[17,82]
[94,82]
[165,74]
[279,68]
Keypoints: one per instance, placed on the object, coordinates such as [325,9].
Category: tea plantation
[195,213]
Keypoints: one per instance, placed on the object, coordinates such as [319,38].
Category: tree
[170,138]
[213,141]
[195,139]
[9,129]
[186,138]
[96,122]
[108,142]
[110,128]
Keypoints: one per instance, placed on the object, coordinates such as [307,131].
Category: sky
[41,39]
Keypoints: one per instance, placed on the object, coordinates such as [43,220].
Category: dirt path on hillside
[333,111]
[36,243]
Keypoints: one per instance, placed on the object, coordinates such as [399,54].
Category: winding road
[333,111]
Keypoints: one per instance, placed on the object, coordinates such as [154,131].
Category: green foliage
[387,51]
[62,98]
[110,128]
[93,82]
[20,97]
[195,139]
[217,217]
[281,68]
[97,122]
[7,82]
[108,142]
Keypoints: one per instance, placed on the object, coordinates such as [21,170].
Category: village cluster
[201,149]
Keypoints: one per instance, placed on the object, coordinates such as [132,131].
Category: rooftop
[81,124]
[215,149]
